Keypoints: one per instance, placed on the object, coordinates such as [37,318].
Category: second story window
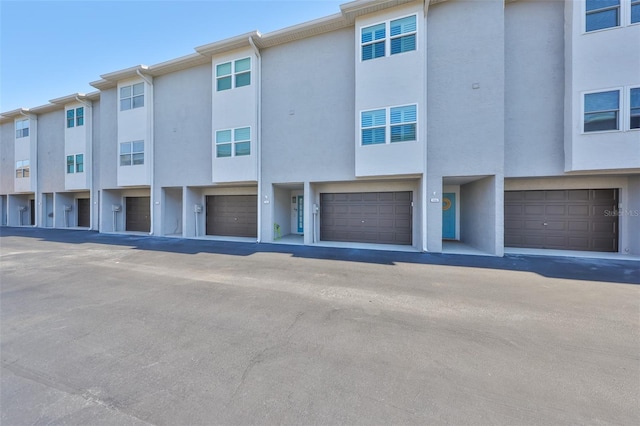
[635,11]
[601,111]
[75,117]
[131,96]
[601,14]
[233,74]
[402,38]
[132,153]
[233,142]
[22,128]
[634,108]
[75,163]
[402,125]
[22,168]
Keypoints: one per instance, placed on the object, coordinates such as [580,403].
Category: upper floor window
[22,128]
[402,38]
[635,11]
[132,153]
[233,74]
[634,108]
[233,142]
[131,96]
[75,117]
[22,168]
[601,111]
[402,128]
[75,163]
[602,14]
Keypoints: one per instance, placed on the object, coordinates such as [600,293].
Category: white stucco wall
[235,108]
[598,61]
[76,141]
[135,125]
[7,157]
[393,80]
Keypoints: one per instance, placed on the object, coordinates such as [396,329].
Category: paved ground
[100,329]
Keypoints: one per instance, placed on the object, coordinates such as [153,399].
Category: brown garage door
[84,213]
[138,214]
[367,217]
[232,215]
[575,219]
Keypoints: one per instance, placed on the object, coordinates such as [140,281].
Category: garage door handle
[363,221]
[235,218]
[545,223]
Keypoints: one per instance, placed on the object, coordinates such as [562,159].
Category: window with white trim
[22,169]
[75,163]
[635,11]
[22,128]
[402,38]
[233,74]
[602,111]
[634,108]
[75,117]
[132,153]
[233,142]
[403,122]
[131,96]
[601,14]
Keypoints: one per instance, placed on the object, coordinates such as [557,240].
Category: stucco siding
[183,127]
[51,157]
[534,88]
[308,109]
[7,171]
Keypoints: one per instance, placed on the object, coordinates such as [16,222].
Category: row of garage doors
[555,219]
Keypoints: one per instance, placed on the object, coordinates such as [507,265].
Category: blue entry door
[300,215]
[449,216]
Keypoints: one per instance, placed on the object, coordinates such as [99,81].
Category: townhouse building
[440,125]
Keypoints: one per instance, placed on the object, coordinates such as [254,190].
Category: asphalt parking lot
[130,330]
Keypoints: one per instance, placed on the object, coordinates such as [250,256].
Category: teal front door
[449,216]
[300,215]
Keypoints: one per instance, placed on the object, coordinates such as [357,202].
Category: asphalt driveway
[116,330]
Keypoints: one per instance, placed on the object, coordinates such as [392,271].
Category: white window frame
[627,108]
[621,102]
[388,37]
[131,96]
[232,142]
[233,74]
[20,128]
[631,4]
[75,164]
[388,125]
[75,119]
[131,153]
[585,13]
[22,169]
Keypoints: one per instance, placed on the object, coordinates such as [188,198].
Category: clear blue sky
[50,49]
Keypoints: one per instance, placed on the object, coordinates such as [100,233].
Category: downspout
[150,123]
[258,134]
[33,165]
[89,130]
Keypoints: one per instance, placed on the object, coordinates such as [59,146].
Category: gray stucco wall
[7,157]
[534,88]
[465,126]
[51,159]
[308,109]
[106,144]
[478,215]
[183,134]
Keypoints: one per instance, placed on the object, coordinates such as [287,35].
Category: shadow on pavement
[604,270]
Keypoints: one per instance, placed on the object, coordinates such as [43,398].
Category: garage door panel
[374,217]
[575,219]
[534,210]
[232,215]
[555,195]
